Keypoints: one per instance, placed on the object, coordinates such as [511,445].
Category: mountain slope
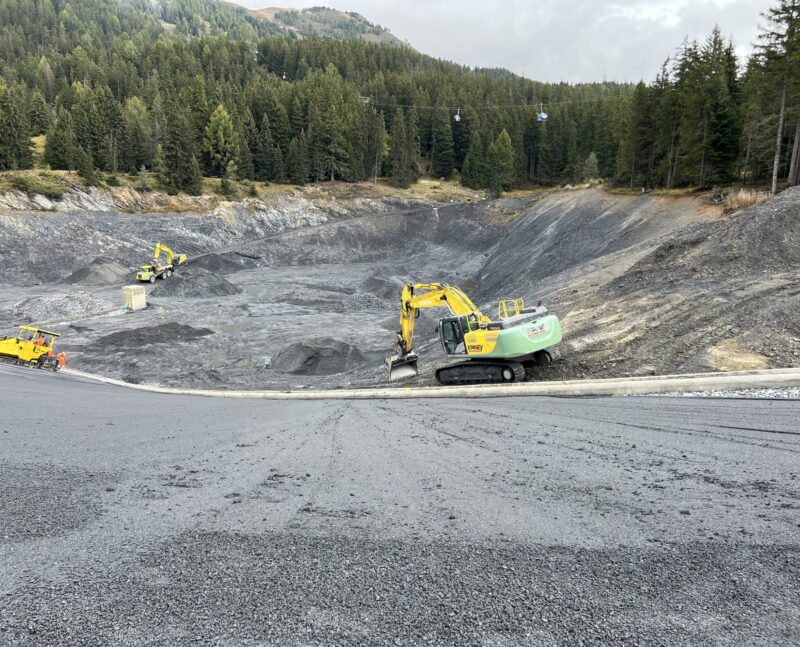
[325,22]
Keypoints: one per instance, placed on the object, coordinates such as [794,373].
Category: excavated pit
[304,294]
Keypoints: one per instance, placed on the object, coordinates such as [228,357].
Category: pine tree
[297,160]
[401,156]
[501,163]
[591,170]
[85,166]
[15,142]
[442,157]
[724,134]
[60,150]
[280,168]
[219,141]
[779,53]
[178,167]
[474,172]
[39,114]
[264,158]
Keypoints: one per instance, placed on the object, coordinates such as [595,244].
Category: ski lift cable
[457,109]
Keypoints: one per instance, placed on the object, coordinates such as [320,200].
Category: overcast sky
[556,40]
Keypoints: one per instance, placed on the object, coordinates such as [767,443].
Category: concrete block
[135,297]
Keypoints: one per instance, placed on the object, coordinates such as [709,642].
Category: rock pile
[194,283]
[77,305]
[319,357]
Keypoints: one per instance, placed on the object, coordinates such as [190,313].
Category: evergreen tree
[137,135]
[591,169]
[85,166]
[724,135]
[60,150]
[501,163]
[179,169]
[402,174]
[15,142]
[296,160]
[442,156]
[280,167]
[219,141]
[39,114]
[264,158]
[474,173]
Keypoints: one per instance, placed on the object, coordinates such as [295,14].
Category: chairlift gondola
[457,116]
[542,116]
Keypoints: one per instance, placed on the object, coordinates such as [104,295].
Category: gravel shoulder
[140,519]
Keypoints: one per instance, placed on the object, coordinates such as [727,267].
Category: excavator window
[452,336]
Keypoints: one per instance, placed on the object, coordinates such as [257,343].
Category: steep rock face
[85,200]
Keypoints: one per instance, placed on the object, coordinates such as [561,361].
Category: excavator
[149,273]
[493,351]
[32,348]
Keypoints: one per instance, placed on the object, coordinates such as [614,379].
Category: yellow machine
[494,351]
[149,273]
[31,348]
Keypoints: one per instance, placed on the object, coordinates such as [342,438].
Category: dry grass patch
[743,198]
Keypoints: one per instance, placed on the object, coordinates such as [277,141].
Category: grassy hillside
[326,22]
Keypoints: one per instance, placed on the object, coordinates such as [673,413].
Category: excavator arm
[403,362]
[161,247]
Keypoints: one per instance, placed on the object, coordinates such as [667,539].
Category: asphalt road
[131,518]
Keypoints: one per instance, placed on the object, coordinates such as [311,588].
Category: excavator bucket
[400,367]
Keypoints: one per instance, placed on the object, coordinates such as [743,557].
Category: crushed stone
[40,309]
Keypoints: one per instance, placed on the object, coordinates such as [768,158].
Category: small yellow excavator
[32,348]
[494,351]
[149,273]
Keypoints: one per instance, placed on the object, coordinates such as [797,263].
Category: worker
[62,359]
[40,340]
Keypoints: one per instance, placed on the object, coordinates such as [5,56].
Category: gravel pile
[76,305]
[169,333]
[363,302]
[215,263]
[99,272]
[194,283]
[319,357]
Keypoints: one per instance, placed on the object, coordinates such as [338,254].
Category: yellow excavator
[31,347]
[493,351]
[149,273]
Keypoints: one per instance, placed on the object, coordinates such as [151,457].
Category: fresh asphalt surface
[132,518]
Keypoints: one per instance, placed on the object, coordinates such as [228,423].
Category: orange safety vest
[62,360]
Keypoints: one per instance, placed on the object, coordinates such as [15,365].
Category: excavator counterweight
[493,351]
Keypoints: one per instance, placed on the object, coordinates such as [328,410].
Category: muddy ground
[298,293]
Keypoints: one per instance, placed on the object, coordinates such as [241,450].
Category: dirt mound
[194,283]
[169,333]
[77,305]
[215,263]
[100,271]
[761,238]
[319,357]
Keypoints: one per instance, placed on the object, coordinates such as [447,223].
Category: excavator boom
[403,362]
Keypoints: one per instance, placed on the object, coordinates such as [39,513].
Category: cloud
[552,40]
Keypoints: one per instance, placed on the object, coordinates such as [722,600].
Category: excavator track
[481,372]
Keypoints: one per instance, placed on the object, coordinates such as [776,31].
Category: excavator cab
[451,334]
